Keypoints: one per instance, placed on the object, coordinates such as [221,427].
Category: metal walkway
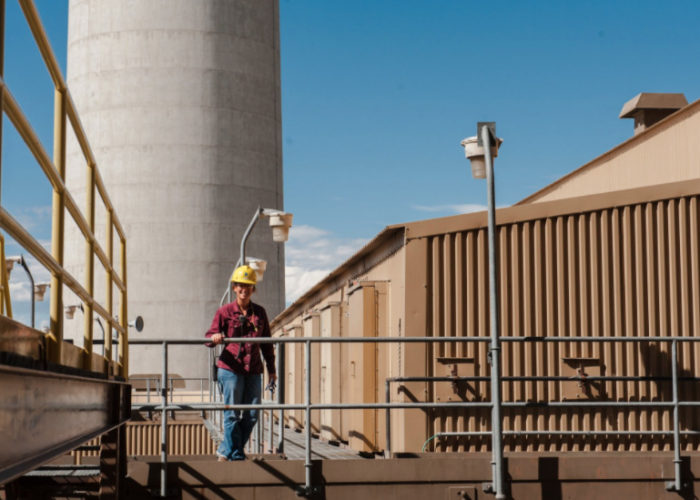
[294,443]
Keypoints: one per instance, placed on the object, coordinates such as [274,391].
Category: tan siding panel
[627,271]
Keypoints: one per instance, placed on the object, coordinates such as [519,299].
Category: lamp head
[137,323]
[257,265]
[70,310]
[10,264]
[280,222]
[475,154]
[40,291]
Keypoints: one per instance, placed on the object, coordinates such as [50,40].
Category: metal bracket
[582,377]
[671,486]
[492,132]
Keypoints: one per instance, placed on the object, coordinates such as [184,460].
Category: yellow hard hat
[244,274]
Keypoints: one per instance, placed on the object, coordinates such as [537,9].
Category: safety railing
[150,388]
[65,113]
[675,404]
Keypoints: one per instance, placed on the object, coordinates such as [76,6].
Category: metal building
[181,101]
[621,263]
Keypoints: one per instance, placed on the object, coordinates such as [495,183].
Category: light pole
[279,221]
[36,290]
[481,150]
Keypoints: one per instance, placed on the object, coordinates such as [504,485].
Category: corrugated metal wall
[623,271]
[143,438]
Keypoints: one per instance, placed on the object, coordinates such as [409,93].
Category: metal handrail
[54,170]
[308,406]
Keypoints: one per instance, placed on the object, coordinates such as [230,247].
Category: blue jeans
[238,389]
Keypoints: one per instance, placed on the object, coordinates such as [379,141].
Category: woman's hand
[217,338]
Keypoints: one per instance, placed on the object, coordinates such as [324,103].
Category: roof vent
[648,108]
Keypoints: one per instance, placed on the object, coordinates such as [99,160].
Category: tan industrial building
[610,250]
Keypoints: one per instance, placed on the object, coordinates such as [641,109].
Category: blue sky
[376,96]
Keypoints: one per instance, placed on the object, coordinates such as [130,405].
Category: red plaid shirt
[240,357]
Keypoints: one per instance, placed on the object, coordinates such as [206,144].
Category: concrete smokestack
[181,102]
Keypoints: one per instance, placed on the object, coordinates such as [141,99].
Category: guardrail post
[281,368]
[387,394]
[307,424]
[271,434]
[675,485]
[123,347]
[88,318]
[164,424]
[55,337]
[109,282]
[259,434]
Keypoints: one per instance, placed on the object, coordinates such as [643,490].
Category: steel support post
[271,434]
[494,349]
[55,337]
[387,394]
[164,424]
[89,266]
[675,485]
[280,395]
[123,347]
[307,424]
[109,283]
[260,433]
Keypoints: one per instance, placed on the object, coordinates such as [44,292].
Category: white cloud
[311,254]
[466,208]
[34,217]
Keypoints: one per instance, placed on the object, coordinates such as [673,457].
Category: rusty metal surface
[20,340]
[44,414]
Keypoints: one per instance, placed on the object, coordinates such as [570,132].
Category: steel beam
[44,414]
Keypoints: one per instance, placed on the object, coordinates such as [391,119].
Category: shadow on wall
[657,361]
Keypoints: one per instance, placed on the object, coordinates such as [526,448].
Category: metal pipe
[413,340]
[676,423]
[260,424]
[271,434]
[564,433]
[201,394]
[171,390]
[164,423]
[123,347]
[109,282]
[307,458]
[281,368]
[412,405]
[55,337]
[88,318]
[387,398]
[23,263]
[494,349]
[251,225]
[542,378]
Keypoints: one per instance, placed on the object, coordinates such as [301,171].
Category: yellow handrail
[65,114]
[5,302]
